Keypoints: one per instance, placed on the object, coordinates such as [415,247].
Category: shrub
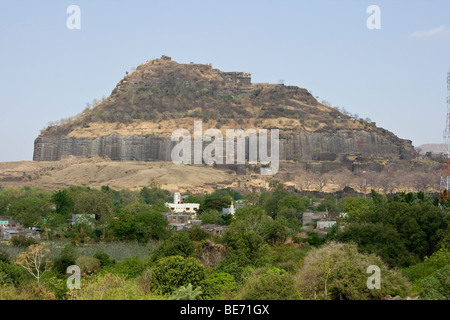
[437,285]
[338,271]
[104,259]
[178,244]
[4,257]
[65,259]
[131,267]
[88,265]
[16,274]
[107,287]
[219,285]
[238,272]
[436,261]
[382,240]
[275,284]
[186,293]
[23,242]
[198,234]
[173,272]
[246,248]
[144,281]
[4,279]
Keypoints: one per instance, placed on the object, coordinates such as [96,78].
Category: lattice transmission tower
[445,171]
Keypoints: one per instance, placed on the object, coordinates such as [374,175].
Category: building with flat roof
[178,206]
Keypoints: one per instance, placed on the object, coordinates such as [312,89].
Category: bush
[382,240]
[186,293]
[288,257]
[23,242]
[246,248]
[238,272]
[211,217]
[198,234]
[173,272]
[338,272]
[104,259]
[274,232]
[145,280]
[14,273]
[4,257]
[65,259]
[437,285]
[178,244]
[219,285]
[88,265]
[436,261]
[314,239]
[107,287]
[275,284]
[5,280]
[131,267]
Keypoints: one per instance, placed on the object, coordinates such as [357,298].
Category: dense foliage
[127,250]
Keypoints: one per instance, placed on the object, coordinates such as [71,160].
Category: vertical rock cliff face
[156,148]
[160,91]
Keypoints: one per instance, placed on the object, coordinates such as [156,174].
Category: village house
[178,205]
[10,229]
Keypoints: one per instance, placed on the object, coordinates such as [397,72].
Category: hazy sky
[395,75]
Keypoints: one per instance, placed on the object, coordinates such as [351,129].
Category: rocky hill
[135,122]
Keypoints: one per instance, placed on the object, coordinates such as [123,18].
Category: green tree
[27,205]
[246,248]
[219,285]
[173,272]
[356,208]
[215,203]
[274,232]
[437,285]
[154,194]
[178,244]
[94,202]
[198,234]
[63,201]
[379,239]
[436,261]
[293,202]
[337,271]
[211,217]
[330,204]
[138,221]
[252,217]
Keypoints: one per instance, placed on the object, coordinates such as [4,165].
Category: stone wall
[158,148]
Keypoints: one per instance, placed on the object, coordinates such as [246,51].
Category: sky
[394,75]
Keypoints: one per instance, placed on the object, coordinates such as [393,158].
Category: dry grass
[118,175]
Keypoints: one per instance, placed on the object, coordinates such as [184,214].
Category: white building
[229,210]
[179,207]
[325,225]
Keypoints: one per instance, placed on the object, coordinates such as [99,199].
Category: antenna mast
[445,171]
